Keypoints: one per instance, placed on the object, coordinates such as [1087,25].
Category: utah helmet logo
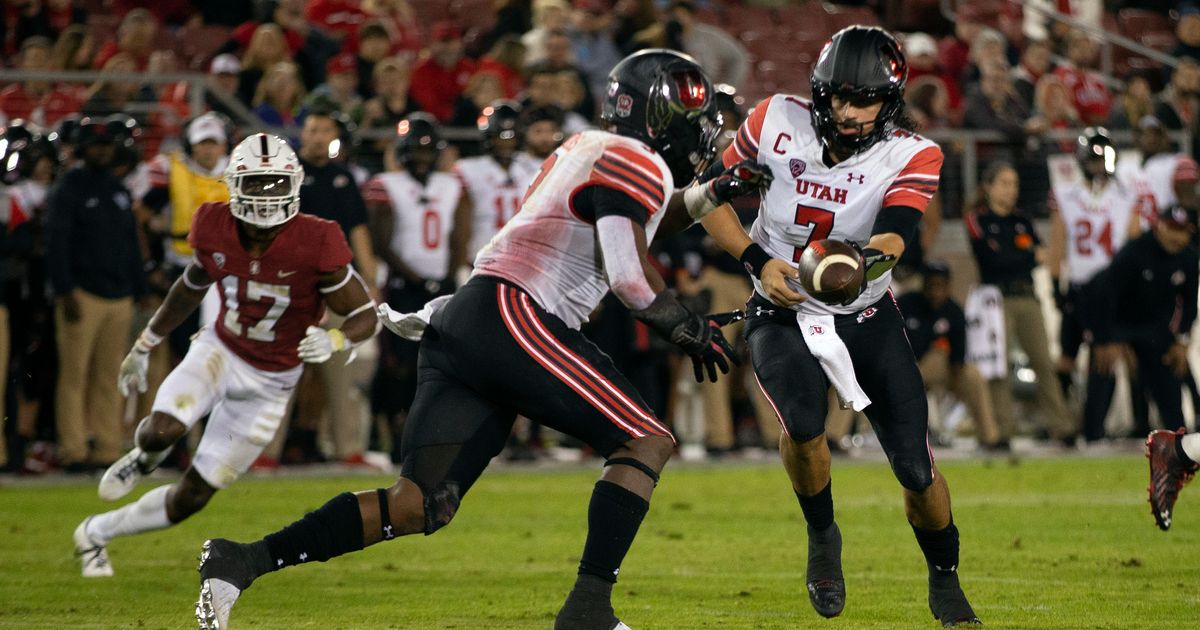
[624,105]
[797,167]
[219,258]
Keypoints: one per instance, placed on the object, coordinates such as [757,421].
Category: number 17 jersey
[809,201]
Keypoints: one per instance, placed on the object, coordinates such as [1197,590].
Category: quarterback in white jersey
[497,180]
[845,166]
[1162,178]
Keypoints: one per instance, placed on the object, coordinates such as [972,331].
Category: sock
[146,514]
[614,516]
[940,547]
[1188,447]
[818,509]
[326,532]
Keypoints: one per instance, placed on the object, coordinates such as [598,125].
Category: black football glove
[744,178]
[700,337]
[875,263]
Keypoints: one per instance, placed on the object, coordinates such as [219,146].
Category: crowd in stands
[998,66]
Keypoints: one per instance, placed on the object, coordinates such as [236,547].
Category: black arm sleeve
[593,202]
[713,171]
[902,220]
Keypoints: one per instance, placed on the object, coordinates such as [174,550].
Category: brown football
[831,271]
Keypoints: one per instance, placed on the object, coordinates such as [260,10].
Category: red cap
[338,64]
[443,31]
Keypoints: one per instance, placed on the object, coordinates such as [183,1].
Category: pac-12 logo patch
[624,105]
[797,167]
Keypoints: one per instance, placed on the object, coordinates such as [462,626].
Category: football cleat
[948,603]
[92,556]
[826,587]
[122,476]
[224,574]
[1168,474]
[588,609]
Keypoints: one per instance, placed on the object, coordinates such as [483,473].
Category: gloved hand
[410,326]
[319,344]
[744,178]
[698,336]
[875,263]
[136,364]
[712,354]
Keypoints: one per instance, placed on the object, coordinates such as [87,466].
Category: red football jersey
[268,302]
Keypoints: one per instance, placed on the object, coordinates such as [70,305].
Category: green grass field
[1066,543]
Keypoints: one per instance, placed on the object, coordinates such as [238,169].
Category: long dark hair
[980,201]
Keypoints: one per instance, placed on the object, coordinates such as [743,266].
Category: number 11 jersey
[809,201]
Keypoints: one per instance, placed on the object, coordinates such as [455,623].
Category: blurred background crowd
[1005,87]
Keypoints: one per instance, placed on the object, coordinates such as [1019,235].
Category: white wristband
[147,341]
[698,201]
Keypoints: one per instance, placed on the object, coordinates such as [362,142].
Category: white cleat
[122,476]
[217,598]
[92,555]
[621,626]
[223,577]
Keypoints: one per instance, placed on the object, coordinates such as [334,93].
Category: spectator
[374,44]
[339,92]
[74,49]
[994,104]
[95,272]
[1055,109]
[173,13]
[921,50]
[513,17]
[1187,31]
[288,15]
[222,83]
[1133,104]
[482,90]
[987,47]
[954,51]
[440,78]
[592,42]
[1007,249]
[109,96]
[401,21]
[390,105]
[41,18]
[267,48]
[279,95]
[1039,26]
[545,89]
[548,16]
[1091,97]
[38,101]
[505,60]
[937,330]
[339,18]
[1034,64]
[135,37]
[723,58]
[560,57]
[635,18]
[928,102]
[1178,105]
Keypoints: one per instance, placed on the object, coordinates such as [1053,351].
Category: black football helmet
[16,143]
[127,134]
[500,121]
[1094,146]
[862,65]
[416,132]
[664,99]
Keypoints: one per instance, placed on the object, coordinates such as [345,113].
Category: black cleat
[947,601]
[224,573]
[826,588]
[589,607]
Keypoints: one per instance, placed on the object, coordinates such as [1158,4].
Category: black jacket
[1004,250]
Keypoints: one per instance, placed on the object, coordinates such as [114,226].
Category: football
[832,271]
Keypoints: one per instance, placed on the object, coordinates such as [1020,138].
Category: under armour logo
[303,556]
[279,562]
[953,567]
[388,534]
[760,311]
[851,176]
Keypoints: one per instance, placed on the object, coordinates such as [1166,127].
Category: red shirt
[267,302]
[1092,99]
[435,88]
[15,102]
[510,80]
[343,16]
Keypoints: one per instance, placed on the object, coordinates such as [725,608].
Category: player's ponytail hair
[904,120]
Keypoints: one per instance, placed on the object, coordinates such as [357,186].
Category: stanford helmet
[264,177]
[861,65]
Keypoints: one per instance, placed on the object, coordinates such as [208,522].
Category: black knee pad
[441,505]
[914,473]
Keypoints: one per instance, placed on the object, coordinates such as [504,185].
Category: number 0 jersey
[549,249]
[809,201]
[495,192]
[1097,223]
[423,218]
[268,302]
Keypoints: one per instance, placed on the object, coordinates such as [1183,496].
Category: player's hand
[777,276]
[133,372]
[1176,359]
[1107,355]
[319,344]
[744,178]
[702,339]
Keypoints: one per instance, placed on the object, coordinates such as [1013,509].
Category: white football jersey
[809,201]
[424,218]
[1153,180]
[1097,222]
[549,249]
[495,192]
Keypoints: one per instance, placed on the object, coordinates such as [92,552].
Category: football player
[847,167]
[420,223]
[1164,177]
[1174,459]
[276,269]
[496,181]
[508,343]
[1090,220]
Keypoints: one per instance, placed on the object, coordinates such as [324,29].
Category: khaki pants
[1023,322]
[345,407]
[4,352]
[968,385]
[729,292]
[89,359]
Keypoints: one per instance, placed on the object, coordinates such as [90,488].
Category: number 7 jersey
[809,201]
[268,302]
